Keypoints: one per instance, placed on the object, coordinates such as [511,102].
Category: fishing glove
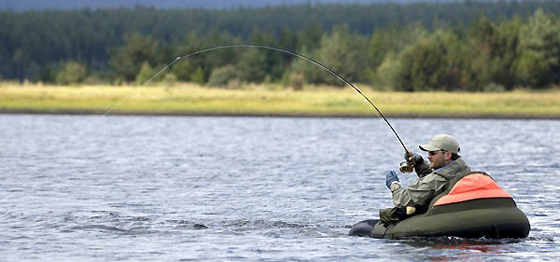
[390,177]
[415,159]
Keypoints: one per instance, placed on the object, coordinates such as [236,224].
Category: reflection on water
[463,248]
[224,188]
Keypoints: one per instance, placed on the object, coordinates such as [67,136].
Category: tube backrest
[476,185]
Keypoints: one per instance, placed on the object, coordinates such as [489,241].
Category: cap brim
[429,147]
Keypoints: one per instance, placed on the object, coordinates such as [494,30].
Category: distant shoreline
[274,101]
[276,114]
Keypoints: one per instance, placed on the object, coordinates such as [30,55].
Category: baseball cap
[442,142]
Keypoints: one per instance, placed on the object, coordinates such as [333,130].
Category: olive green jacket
[429,184]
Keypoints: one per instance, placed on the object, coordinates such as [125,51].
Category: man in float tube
[445,163]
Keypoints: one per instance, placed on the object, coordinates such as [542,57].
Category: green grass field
[190,99]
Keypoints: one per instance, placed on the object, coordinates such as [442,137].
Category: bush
[145,74]
[94,80]
[385,78]
[296,81]
[493,87]
[223,76]
[198,76]
[71,72]
[170,79]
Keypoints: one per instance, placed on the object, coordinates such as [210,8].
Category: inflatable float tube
[475,207]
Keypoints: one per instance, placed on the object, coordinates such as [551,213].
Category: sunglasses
[433,153]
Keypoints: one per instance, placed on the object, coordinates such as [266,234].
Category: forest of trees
[467,46]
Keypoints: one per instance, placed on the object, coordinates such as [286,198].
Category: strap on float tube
[366,99]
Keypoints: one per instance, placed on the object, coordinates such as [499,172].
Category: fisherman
[445,163]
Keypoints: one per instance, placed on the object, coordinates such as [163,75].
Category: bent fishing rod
[292,53]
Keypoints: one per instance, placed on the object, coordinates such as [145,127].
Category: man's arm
[420,192]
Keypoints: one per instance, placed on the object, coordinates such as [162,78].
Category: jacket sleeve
[420,192]
[422,169]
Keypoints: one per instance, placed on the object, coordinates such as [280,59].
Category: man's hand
[390,177]
[414,158]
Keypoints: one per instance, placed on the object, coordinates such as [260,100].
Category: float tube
[474,207]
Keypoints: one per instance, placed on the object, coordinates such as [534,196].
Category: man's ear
[448,155]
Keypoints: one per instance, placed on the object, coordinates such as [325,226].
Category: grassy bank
[190,99]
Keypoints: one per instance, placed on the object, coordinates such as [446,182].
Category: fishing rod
[379,113]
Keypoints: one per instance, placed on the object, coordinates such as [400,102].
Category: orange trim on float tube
[473,186]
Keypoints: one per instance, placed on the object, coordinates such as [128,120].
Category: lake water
[91,188]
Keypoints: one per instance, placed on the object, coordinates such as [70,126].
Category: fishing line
[143,84]
[366,99]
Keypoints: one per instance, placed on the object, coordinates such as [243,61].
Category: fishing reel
[406,167]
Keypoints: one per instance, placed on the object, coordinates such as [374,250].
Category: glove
[390,177]
[415,159]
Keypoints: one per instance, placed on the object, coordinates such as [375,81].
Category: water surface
[90,188]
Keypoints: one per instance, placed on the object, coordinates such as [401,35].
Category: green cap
[442,142]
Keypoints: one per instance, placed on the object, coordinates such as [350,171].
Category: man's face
[438,158]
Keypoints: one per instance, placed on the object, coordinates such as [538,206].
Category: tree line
[470,45]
